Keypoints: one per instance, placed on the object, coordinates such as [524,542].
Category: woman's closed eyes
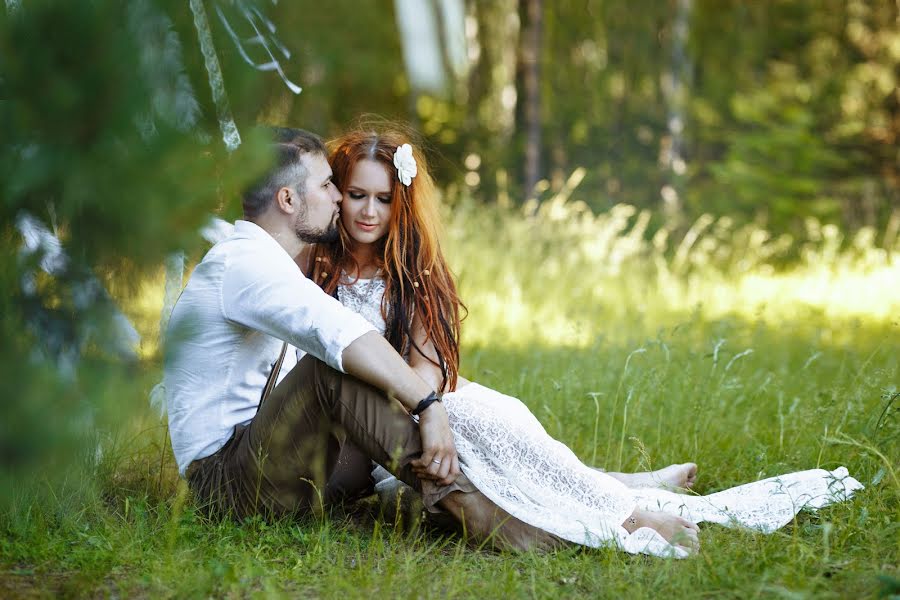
[359,196]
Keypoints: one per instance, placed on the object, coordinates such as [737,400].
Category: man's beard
[311,235]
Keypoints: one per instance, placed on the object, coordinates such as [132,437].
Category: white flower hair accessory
[405,164]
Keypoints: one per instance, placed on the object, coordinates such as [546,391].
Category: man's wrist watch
[426,402]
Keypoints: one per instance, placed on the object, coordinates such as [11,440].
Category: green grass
[611,367]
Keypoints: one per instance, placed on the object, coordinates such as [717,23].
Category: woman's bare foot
[674,477]
[675,530]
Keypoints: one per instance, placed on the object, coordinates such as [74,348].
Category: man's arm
[268,293]
[373,360]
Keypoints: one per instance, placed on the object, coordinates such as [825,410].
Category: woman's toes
[687,538]
[690,474]
[690,525]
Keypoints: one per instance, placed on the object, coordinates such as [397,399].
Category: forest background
[773,111]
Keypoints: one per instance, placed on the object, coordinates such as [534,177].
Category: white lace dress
[510,458]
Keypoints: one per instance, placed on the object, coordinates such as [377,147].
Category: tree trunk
[531,55]
[675,92]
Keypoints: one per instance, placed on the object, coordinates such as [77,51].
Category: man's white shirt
[244,298]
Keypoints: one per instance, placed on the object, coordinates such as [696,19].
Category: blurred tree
[807,123]
[347,57]
[772,110]
[107,148]
[530,60]
[603,103]
[489,117]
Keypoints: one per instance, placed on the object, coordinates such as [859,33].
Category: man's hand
[439,461]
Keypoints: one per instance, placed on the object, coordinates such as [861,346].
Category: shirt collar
[250,230]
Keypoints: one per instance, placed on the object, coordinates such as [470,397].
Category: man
[332,411]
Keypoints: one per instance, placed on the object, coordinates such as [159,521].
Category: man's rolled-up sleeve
[274,297]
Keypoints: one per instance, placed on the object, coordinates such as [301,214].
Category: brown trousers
[311,445]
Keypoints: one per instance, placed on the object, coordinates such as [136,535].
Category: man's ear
[286,200]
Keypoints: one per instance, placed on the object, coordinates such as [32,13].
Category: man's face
[316,220]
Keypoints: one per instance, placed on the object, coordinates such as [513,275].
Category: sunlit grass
[635,350]
[557,273]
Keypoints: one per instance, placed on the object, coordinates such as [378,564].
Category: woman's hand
[439,461]
[372,359]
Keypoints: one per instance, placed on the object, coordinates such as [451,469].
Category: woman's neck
[366,257]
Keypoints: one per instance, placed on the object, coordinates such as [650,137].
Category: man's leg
[280,464]
[351,478]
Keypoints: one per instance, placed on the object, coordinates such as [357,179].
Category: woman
[388,266]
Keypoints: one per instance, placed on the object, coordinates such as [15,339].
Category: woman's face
[366,205]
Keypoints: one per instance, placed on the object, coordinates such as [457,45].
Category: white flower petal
[405,163]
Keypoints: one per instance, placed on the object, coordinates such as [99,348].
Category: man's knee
[310,375]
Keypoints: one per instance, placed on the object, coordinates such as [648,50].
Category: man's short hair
[289,146]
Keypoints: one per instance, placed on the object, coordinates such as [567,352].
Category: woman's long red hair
[418,281]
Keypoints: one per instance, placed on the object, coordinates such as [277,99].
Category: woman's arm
[419,361]
[372,359]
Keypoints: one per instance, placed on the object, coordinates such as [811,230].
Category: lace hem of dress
[509,457]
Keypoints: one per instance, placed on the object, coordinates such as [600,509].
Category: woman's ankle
[635,521]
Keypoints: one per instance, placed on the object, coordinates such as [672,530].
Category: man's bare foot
[674,477]
[675,530]
[484,521]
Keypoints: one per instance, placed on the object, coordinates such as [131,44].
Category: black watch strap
[426,402]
